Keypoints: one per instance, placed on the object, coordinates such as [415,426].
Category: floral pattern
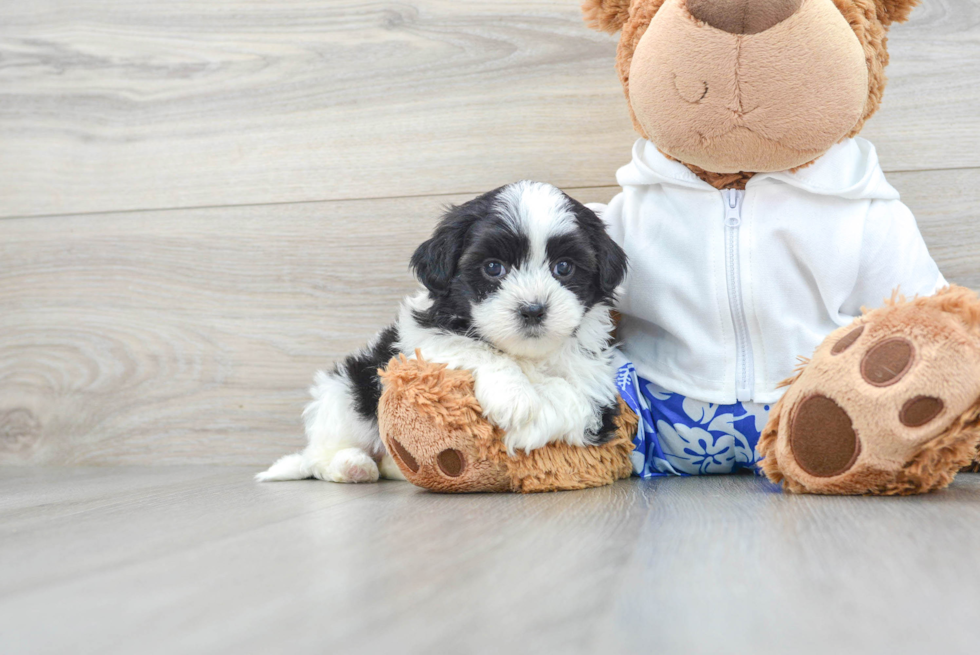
[683,436]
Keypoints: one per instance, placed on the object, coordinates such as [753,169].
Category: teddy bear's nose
[743,16]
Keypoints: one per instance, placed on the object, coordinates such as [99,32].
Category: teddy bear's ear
[894,11]
[609,15]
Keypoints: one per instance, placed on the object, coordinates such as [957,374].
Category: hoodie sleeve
[893,256]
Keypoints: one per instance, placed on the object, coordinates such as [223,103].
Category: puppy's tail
[290,467]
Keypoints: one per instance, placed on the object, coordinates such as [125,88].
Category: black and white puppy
[518,289]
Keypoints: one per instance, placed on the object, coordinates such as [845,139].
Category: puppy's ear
[606,15]
[611,262]
[434,262]
[894,11]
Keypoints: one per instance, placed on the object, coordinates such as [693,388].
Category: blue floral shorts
[682,436]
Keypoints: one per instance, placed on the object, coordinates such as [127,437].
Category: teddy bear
[782,313]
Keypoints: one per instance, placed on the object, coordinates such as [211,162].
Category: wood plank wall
[202,202]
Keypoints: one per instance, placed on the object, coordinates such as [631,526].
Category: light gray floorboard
[201,559]
[191,336]
[108,105]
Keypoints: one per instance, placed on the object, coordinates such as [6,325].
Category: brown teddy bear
[759,226]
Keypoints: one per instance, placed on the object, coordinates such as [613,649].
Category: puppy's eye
[564,268]
[494,269]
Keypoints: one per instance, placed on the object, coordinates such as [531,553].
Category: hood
[849,170]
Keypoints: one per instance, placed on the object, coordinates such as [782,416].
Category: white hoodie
[727,288]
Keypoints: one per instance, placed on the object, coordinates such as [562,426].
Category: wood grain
[108,106]
[203,560]
[190,336]
[946,205]
[166,331]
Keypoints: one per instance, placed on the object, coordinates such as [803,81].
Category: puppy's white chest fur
[557,397]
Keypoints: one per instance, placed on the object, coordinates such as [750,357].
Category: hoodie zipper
[744,368]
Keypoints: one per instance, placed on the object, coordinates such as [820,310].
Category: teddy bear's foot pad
[887,405]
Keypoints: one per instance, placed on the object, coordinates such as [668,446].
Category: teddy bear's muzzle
[747,85]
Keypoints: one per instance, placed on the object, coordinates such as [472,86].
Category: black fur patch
[584,280]
[450,264]
[362,370]
[608,428]
[435,261]
[492,238]
[610,260]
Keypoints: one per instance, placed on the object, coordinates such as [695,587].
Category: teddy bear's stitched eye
[494,269]
[564,268]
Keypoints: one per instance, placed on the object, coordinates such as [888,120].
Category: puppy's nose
[743,16]
[532,313]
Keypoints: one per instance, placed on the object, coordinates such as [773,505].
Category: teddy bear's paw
[887,405]
[347,465]
[438,459]
[434,431]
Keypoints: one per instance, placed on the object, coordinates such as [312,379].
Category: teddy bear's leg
[433,428]
[888,405]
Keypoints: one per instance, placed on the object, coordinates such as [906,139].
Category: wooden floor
[203,560]
[203,202]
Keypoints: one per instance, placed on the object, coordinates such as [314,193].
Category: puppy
[518,289]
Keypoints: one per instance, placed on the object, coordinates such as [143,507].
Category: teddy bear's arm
[893,256]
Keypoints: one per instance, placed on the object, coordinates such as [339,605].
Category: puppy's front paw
[550,424]
[508,404]
[567,414]
[348,465]
[528,437]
